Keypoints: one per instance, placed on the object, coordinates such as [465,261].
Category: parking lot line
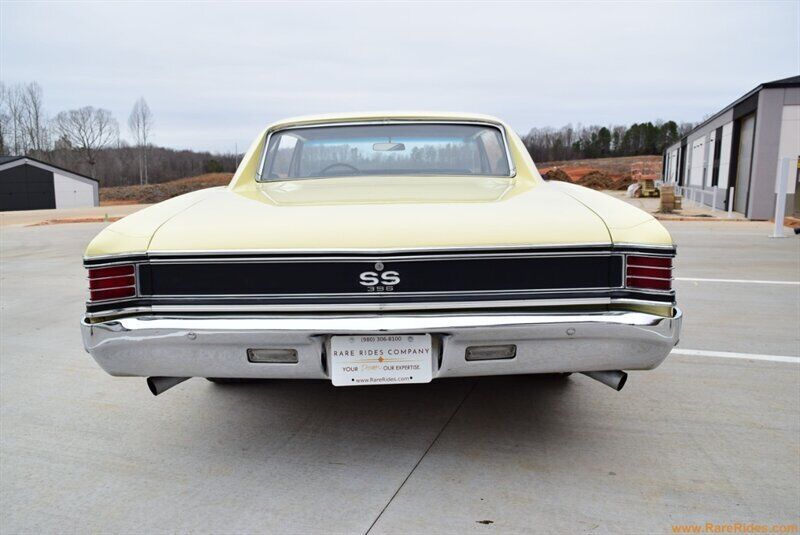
[428,449]
[738,281]
[731,355]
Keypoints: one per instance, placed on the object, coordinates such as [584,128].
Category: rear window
[386,149]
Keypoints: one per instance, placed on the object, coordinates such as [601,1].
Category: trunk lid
[382,213]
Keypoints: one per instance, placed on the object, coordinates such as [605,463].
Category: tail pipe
[158,385]
[613,378]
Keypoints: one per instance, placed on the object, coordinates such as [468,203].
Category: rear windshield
[386,149]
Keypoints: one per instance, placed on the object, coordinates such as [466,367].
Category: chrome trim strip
[119,312]
[384,294]
[377,307]
[650,291]
[114,277]
[262,158]
[380,307]
[317,259]
[624,269]
[383,251]
[649,267]
[386,307]
[112,300]
[355,323]
[672,247]
[115,257]
[112,288]
[628,301]
[139,256]
[512,167]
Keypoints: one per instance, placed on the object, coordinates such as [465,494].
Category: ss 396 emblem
[379,280]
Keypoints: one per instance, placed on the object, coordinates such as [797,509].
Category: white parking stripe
[729,355]
[739,281]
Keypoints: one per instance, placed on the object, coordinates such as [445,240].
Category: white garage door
[72,193]
[698,162]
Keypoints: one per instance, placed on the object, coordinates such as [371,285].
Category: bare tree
[34,126]
[5,122]
[87,130]
[14,110]
[140,123]
[23,126]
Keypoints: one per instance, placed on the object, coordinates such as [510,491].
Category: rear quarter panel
[133,233]
[626,223]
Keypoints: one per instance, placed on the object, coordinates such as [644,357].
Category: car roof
[378,116]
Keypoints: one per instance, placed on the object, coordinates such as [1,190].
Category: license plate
[380,360]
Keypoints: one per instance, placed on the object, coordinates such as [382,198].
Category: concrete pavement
[98,213]
[700,439]
[690,209]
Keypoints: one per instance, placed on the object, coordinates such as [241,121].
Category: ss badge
[379,280]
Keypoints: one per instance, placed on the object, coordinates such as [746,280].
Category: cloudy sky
[216,73]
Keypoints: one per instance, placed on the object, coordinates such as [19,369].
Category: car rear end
[375,317]
[395,248]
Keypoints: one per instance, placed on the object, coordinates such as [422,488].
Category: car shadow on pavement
[313,420]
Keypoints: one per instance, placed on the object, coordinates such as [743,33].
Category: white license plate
[380,360]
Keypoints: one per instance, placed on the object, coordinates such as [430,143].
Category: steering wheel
[339,164]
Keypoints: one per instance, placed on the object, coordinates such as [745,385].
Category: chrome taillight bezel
[112,283]
[649,273]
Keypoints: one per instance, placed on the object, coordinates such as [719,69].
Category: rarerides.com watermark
[734,527]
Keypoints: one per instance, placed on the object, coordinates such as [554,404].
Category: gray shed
[740,148]
[30,184]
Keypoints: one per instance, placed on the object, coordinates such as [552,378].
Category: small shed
[30,184]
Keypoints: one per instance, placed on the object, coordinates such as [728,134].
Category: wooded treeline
[580,142]
[87,140]
[119,166]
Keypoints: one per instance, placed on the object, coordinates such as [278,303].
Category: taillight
[113,282]
[649,272]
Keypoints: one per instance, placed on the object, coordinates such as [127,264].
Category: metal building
[30,184]
[740,148]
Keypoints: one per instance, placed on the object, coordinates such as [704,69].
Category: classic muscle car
[369,249]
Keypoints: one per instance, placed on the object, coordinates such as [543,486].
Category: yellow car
[372,249]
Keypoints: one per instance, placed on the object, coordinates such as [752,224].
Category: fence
[697,196]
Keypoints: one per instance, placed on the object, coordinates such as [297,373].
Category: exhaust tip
[159,385]
[152,386]
[615,379]
[622,380]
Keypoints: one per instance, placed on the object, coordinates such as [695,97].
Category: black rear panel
[330,279]
[324,277]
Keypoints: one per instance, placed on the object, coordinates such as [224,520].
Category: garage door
[25,187]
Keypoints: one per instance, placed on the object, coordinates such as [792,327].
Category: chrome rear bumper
[216,346]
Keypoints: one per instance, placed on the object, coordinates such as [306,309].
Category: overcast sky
[214,74]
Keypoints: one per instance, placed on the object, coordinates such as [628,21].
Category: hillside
[614,167]
[152,193]
[599,173]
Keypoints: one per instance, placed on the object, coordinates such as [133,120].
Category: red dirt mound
[151,193]
[597,180]
[557,174]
